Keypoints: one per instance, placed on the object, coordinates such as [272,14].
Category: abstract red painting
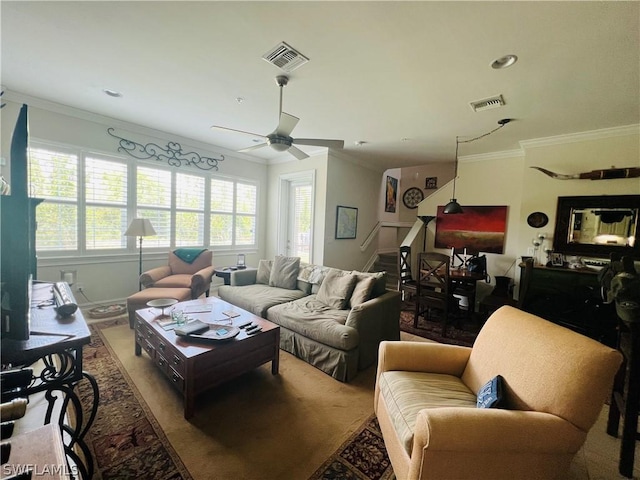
[478,229]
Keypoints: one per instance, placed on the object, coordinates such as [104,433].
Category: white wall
[351,185]
[506,179]
[112,278]
[317,164]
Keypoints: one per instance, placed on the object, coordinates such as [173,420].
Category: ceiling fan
[280,139]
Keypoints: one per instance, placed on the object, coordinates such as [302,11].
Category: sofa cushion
[336,289]
[316,320]
[406,393]
[362,290]
[181,280]
[310,273]
[264,271]
[257,298]
[380,286]
[491,394]
[284,272]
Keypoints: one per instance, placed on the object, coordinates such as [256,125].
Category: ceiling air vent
[487,103]
[285,57]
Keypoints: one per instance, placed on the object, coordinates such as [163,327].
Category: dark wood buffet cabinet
[571,298]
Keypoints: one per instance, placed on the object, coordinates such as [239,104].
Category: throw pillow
[284,272]
[264,271]
[491,394]
[336,289]
[362,290]
[380,286]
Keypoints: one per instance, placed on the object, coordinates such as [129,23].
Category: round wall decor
[537,219]
[412,197]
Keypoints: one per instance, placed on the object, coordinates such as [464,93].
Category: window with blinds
[91,198]
[53,176]
[190,204]
[105,187]
[233,213]
[154,194]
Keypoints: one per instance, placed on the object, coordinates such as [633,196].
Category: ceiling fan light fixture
[279,144]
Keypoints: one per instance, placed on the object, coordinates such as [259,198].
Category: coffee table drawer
[176,379]
[146,344]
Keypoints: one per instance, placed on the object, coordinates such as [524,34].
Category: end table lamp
[140,227]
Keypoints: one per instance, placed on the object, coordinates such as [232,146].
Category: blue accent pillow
[491,394]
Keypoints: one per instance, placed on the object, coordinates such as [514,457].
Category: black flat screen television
[17,236]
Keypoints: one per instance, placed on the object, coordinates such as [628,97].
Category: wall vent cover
[487,103]
[285,57]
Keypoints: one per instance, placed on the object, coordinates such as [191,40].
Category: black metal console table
[58,342]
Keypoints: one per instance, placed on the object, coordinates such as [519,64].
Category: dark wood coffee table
[196,366]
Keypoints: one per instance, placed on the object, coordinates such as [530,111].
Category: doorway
[297,191]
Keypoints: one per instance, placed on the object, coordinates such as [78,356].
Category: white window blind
[90,199]
[153,196]
[53,176]
[233,213]
[106,203]
[189,210]
[222,200]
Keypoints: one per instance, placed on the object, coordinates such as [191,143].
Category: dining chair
[407,285]
[433,288]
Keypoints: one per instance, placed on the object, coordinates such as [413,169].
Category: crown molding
[582,136]
[483,157]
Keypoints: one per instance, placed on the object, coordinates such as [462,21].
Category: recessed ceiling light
[504,62]
[112,93]
[239,99]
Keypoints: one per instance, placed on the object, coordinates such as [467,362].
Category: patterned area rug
[125,439]
[363,457]
[463,332]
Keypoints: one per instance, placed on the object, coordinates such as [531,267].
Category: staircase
[388,262]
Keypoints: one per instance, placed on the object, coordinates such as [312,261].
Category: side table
[225,272]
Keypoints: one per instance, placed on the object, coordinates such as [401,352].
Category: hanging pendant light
[453,206]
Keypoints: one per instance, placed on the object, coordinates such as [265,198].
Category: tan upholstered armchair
[180,274]
[556,382]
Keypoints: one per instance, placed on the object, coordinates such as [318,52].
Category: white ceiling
[398,76]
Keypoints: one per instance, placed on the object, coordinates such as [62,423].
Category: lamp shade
[452,207]
[140,227]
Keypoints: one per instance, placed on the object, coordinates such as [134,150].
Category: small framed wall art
[346,222]
[431,183]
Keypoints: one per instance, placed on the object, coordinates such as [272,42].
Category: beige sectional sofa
[333,319]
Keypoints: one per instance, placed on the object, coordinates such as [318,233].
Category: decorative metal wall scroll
[606,174]
[172,153]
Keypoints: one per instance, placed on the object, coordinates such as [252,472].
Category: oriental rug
[462,332]
[125,439]
[363,456]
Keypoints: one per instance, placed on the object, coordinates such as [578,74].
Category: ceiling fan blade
[216,127]
[296,152]
[319,142]
[253,147]
[286,125]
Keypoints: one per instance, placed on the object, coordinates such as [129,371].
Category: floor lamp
[140,227]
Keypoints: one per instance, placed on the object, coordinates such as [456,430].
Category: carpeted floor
[301,424]
[256,427]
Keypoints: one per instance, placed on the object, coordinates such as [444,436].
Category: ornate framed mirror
[598,225]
